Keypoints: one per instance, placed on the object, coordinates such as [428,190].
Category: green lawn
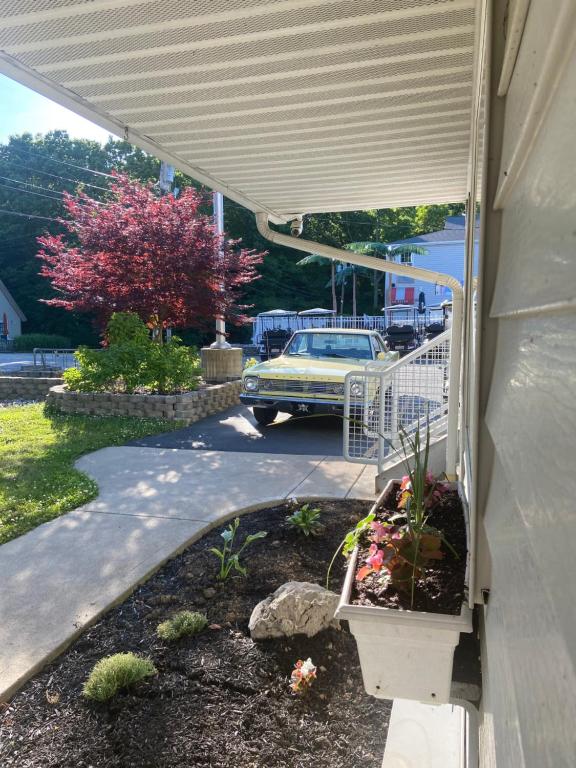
[37,453]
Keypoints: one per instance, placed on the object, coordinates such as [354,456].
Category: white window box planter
[403,654]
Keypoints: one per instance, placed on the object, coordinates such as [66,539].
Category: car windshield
[330,345]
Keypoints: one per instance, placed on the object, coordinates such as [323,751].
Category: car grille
[301,387]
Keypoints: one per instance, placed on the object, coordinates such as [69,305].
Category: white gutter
[349,257]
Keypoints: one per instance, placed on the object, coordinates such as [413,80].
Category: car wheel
[265,416]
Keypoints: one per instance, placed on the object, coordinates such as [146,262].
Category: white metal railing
[381,400]
[389,316]
[46,357]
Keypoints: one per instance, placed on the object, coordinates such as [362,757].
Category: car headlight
[357,389]
[251,383]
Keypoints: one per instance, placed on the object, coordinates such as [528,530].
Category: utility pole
[218,204]
[165,182]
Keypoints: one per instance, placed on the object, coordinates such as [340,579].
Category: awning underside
[287,106]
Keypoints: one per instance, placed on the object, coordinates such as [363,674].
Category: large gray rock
[296,608]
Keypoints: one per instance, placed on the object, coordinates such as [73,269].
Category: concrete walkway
[153,502]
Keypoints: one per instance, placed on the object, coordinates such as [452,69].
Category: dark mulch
[441,587]
[219,700]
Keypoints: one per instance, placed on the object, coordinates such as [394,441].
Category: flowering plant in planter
[401,547]
[404,591]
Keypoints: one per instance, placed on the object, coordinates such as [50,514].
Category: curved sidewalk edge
[61,577]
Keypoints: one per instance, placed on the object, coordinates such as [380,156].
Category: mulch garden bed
[441,588]
[219,699]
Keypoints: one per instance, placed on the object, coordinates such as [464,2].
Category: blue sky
[23,110]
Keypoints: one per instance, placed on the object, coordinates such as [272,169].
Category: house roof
[10,299]
[454,231]
[285,106]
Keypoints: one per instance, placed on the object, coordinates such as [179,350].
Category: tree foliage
[138,252]
[36,170]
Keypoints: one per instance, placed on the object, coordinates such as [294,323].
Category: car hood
[306,368]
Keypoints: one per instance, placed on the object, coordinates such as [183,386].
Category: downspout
[338,254]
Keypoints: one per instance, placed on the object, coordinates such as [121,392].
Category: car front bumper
[296,405]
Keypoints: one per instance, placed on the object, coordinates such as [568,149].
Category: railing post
[454,386]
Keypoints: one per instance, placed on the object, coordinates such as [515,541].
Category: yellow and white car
[308,377]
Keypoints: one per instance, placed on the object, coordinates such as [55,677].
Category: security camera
[296,226]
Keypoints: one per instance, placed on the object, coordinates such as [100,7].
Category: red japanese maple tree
[156,256]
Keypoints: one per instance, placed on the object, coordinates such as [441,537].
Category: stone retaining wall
[188,407]
[26,387]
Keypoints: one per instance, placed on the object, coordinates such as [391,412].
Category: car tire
[265,416]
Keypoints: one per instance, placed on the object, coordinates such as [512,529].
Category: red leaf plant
[156,256]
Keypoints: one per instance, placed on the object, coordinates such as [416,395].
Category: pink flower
[396,532]
[376,557]
[380,531]
[405,484]
[430,479]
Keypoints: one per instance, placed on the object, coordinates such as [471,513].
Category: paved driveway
[236,430]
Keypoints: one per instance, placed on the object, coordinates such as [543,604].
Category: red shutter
[392,295]
[409,295]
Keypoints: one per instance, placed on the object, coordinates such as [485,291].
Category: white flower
[307,668]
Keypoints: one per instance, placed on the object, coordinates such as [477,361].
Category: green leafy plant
[250,362]
[230,560]
[133,361]
[306,520]
[181,624]
[114,673]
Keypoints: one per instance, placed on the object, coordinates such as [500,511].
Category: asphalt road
[236,430]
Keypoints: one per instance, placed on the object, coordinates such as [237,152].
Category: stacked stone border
[188,407]
[26,387]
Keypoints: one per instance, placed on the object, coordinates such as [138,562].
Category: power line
[27,215]
[54,175]
[46,189]
[31,192]
[59,161]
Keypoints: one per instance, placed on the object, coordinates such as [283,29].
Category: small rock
[322,669]
[296,608]
[276,544]
[209,593]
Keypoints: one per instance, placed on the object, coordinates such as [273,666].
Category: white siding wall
[14,324]
[529,661]
[447,258]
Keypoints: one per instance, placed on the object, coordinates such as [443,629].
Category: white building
[445,251]
[11,316]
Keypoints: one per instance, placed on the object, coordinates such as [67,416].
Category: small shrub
[306,520]
[28,341]
[132,361]
[114,673]
[181,624]
[228,558]
[126,327]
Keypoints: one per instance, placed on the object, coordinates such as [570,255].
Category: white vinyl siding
[529,661]
[14,322]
